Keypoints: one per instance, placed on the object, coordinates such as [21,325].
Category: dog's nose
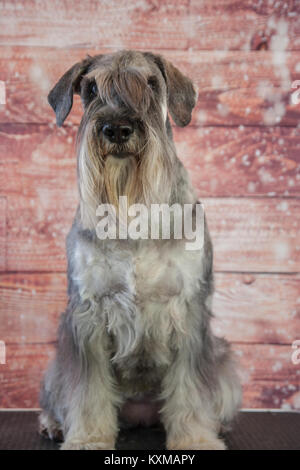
[117,133]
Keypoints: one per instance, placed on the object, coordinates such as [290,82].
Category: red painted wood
[228,24]
[270,380]
[258,235]
[20,377]
[248,308]
[38,178]
[245,171]
[2,233]
[30,307]
[257,308]
[210,25]
[221,161]
[249,88]
[241,161]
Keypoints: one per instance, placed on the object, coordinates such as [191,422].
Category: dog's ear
[61,96]
[182,95]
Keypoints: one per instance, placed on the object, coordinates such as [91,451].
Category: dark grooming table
[252,430]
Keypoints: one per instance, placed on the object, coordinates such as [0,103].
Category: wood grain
[148,24]
[256,235]
[268,375]
[38,177]
[39,181]
[229,25]
[20,377]
[222,162]
[235,88]
[241,161]
[30,306]
[242,151]
[259,235]
[248,308]
[257,308]
[269,378]
[42,196]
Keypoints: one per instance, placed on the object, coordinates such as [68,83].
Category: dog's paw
[82,445]
[216,444]
[200,444]
[49,428]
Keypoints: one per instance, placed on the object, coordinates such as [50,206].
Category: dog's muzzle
[117,133]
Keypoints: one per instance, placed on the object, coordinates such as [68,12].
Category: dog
[135,343]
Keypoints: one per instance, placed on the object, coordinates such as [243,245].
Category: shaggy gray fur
[135,341]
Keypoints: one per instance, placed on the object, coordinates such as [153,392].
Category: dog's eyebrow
[92,74]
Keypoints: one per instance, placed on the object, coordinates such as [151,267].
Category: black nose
[117,133]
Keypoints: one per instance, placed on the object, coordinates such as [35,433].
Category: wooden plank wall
[242,150]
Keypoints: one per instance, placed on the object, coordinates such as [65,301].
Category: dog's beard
[144,176]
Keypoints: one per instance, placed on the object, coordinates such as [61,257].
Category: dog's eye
[153,84]
[93,90]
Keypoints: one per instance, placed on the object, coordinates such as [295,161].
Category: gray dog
[135,343]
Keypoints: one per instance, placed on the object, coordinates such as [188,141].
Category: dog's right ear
[61,96]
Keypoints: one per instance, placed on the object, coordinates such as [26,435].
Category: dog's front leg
[188,413]
[91,418]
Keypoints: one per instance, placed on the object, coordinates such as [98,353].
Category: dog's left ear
[182,95]
[61,96]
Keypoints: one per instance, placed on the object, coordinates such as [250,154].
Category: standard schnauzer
[135,343]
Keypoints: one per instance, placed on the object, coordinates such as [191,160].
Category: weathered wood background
[242,150]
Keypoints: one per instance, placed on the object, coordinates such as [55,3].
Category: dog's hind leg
[49,427]
[187,414]
[228,392]
[196,391]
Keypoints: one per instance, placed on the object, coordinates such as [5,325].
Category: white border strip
[271,410]
[246,410]
[20,409]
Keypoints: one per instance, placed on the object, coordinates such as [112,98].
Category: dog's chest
[139,295]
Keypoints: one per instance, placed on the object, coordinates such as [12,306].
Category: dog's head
[126,98]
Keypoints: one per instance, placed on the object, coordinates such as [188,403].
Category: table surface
[252,430]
